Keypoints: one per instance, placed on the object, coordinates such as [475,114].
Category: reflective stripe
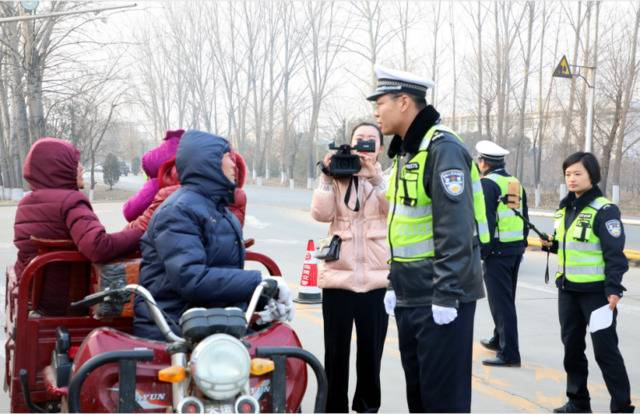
[511,234]
[483,227]
[585,270]
[412,230]
[477,187]
[598,203]
[580,258]
[414,249]
[404,210]
[506,214]
[425,143]
[583,247]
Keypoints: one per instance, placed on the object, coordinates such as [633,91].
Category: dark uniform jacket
[615,262]
[492,194]
[454,275]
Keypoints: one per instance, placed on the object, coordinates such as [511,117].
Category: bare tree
[406,16]
[434,53]
[525,90]
[478,16]
[325,42]
[292,62]
[568,125]
[543,100]
[629,86]
[370,24]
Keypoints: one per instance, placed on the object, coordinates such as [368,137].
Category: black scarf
[425,119]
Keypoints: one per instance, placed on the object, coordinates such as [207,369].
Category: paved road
[278,220]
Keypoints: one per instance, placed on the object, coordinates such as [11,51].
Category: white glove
[443,315]
[280,309]
[284,302]
[390,302]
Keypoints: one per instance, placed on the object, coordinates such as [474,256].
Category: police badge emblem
[614,227]
[453,181]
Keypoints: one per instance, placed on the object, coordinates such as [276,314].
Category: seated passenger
[193,252]
[56,209]
[168,182]
[151,162]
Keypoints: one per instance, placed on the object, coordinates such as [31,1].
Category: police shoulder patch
[453,181]
[614,227]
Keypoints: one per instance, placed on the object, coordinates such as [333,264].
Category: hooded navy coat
[193,251]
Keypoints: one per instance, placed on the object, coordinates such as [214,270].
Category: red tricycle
[223,362]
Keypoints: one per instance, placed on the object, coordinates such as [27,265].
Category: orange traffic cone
[309,292]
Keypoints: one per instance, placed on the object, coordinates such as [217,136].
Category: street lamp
[31,3]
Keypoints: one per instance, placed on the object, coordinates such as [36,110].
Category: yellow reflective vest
[410,219]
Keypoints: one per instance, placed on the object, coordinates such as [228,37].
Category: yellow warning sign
[563,70]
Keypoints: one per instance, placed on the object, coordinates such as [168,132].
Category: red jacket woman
[56,209]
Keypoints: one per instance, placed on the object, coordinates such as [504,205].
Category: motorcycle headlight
[220,366]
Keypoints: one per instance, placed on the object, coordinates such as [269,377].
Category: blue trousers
[436,359]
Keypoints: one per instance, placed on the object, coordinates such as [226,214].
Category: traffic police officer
[589,239]
[435,271]
[503,254]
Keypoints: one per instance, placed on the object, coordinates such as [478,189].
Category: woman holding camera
[354,284]
[589,240]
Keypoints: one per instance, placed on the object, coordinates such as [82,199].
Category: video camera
[343,163]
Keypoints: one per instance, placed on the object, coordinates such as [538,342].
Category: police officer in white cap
[436,214]
[503,254]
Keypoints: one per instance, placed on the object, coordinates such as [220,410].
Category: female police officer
[589,239]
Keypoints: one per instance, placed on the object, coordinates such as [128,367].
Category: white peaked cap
[490,150]
[398,81]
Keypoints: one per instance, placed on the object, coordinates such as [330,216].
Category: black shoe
[573,407]
[627,409]
[490,344]
[499,362]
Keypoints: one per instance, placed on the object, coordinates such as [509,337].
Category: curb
[632,255]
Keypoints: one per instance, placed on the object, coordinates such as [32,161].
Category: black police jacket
[616,263]
[454,275]
[492,194]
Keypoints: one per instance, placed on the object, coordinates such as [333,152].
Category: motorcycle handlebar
[268,286]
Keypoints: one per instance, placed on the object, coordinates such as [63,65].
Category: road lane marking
[486,386]
[486,383]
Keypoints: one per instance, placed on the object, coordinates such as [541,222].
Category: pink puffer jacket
[364,252]
[151,162]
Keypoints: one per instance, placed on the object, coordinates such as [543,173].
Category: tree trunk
[434,56]
[480,68]
[454,124]
[630,82]
[525,90]
[567,145]
[583,85]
